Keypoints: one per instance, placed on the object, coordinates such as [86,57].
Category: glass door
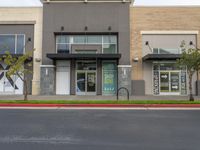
[86,77]
[169,83]
[91,82]
[80,83]
[164,82]
[86,83]
[175,82]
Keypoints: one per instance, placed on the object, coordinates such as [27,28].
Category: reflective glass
[94,39]
[109,48]
[86,65]
[155,50]
[109,78]
[80,87]
[80,39]
[165,51]
[20,44]
[63,48]
[168,66]
[7,43]
[62,39]
[110,39]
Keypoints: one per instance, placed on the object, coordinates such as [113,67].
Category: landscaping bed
[99,102]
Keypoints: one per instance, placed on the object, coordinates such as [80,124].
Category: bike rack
[125,90]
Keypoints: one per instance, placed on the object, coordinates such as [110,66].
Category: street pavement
[67,129]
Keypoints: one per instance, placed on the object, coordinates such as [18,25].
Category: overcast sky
[167,2]
[18,3]
[28,3]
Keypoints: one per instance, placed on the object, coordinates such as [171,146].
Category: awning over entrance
[63,56]
[161,57]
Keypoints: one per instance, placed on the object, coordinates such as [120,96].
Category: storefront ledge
[105,105]
[63,56]
[47,66]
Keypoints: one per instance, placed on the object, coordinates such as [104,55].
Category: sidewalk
[58,97]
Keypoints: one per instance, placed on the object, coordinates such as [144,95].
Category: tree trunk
[191,98]
[25,91]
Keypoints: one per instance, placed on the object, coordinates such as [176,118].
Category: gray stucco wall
[96,16]
[28,31]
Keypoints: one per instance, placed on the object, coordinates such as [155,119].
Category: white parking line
[102,108]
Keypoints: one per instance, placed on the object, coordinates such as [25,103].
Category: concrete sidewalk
[58,97]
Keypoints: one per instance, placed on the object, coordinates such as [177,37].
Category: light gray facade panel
[138,88]
[165,41]
[148,78]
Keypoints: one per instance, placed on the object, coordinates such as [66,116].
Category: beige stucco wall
[158,19]
[24,15]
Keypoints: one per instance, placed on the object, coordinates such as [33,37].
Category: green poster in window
[109,82]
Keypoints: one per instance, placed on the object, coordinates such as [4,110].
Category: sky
[36,3]
[167,2]
[20,3]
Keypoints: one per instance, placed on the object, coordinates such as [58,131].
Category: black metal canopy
[150,57]
[64,56]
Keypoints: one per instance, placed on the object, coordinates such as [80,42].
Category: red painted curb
[104,105]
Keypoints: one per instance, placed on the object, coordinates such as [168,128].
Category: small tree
[17,66]
[190,58]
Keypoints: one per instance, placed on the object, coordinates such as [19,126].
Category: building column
[73,77]
[47,80]
[124,77]
[99,77]
[198,87]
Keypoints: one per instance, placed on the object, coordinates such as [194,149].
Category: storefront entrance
[86,83]
[86,78]
[169,83]
[168,79]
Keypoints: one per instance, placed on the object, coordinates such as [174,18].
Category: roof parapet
[87,1]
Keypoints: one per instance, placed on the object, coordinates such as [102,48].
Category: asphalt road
[99,130]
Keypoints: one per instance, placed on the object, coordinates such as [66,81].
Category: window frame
[168,50]
[16,40]
[71,42]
